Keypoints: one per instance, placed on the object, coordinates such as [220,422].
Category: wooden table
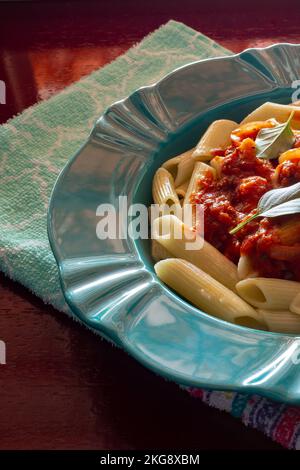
[62,387]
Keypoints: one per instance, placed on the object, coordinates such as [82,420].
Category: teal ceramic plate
[110,284]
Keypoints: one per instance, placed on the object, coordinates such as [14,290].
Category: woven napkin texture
[36,145]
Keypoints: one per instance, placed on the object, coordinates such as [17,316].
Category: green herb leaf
[272,141]
[289,207]
[274,203]
[278,196]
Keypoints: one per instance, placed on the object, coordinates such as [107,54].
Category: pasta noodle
[200,169]
[245,268]
[185,167]
[216,163]
[202,290]
[163,188]
[182,189]
[268,293]
[288,232]
[295,304]
[167,230]
[171,165]
[217,136]
[280,112]
[281,321]
[158,251]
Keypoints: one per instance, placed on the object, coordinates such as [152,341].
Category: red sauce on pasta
[228,200]
[288,173]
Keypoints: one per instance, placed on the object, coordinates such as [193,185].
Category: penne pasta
[181,190]
[281,321]
[216,164]
[249,322]
[203,291]
[280,112]
[245,268]
[163,189]
[200,169]
[284,252]
[175,236]
[288,232]
[158,251]
[217,136]
[171,165]
[295,304]
[268,293]
[185,167]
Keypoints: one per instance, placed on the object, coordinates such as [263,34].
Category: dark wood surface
[62,387]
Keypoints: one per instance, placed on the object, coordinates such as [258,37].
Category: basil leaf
[278,196]
[289,207]
[272,141]
[281,201]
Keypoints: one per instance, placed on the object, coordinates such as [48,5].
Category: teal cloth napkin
[36,145]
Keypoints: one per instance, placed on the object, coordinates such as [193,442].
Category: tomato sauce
[288,173]
[259,246]
[234,196]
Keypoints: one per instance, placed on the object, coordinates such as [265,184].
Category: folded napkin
[35,146]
